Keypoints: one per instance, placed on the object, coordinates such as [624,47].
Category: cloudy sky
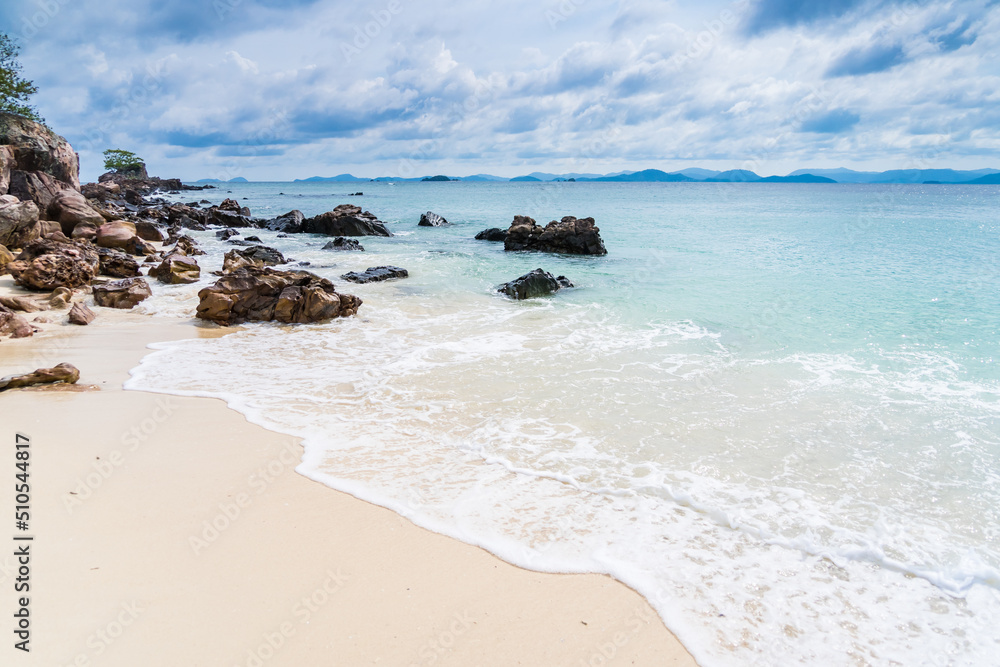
[271,89]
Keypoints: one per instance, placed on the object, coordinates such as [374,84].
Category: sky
[277,90]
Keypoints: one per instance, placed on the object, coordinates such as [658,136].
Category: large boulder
[345,220]
[123,294]
[121,234]
[177,269]
[36,186]
[431,219]
[18,222]
[36,148]
[537,283]
[375,274]
[149,231]
[262,295]
[233,206]
[289,223]
[223,218]
[258,256]
[61,374]
[344,243]
[570,236]
[69,208]
[117,264]
[492,234]
[46,264]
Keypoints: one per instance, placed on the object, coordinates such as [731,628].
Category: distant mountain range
[698,175]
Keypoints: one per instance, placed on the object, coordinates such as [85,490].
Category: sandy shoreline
[171,531]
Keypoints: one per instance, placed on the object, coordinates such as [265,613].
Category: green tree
[119,160]
[14,89]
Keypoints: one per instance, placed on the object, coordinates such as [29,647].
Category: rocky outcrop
[492,234]
[223,218]
[46,264]
[122,294]
[6,166]
[177,269]
[345,220]
[570,236]
[537,283]
[121,234]
[431,219]
[289,223]
[185,245]
[13,325]
[69,208]
[257,256]
[61,374]
[18,222]
[150,231]
[6,257]
[375,274]
[38,149]
[226,234]
[35,186]
[233,206]
[81,315]
[25,304]
[263,295]
[343,243]
[117,264]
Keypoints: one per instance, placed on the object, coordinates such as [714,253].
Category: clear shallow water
[772,409]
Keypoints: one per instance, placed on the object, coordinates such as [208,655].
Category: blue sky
[280,90]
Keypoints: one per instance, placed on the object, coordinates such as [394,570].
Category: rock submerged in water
[177,269]
[289,223]
[46,264]
[345,220]
[493,234]
[61,374]
[344,243]
[537,283]
[375,274]
[264,294]
[569,236]
[257,256]
[431,219]
[122,294]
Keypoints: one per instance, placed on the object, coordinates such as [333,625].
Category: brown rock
[265,294]
[37,148]
[187,246]
[61,374]
[46,227]
[117,264]
[18,222]
[13,325]
[149,231]
[46,264]
[123,294]
[23,303]
[570,236]
[6,257]
[81,314]
[35,186]
[60,297]
[118,234]
[6,165]
[259,256]
[85,231]
[345,220]
[69,208]
[177,269]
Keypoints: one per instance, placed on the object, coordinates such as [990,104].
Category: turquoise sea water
[771,409]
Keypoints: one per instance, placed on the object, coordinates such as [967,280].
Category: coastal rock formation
[46,264]
[6,257]
[375,274]
[569,236]
[81,315]
[117,264]
[7,164]
[69,208]
[431,219]
[262,295]
[257,256]
[233,206]
[345,220]
[185,245]
[537,283]
[223,218]
[35,186]
[13,325]
[18,222]
[343,243]
[289,223]
[492,234]
[149,231]
[122,294]
[177,269]
[61,374]
[60,297]
[38,149]
[226,234]
[24,304]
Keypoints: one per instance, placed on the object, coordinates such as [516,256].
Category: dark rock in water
[240,242]
[123,294]
[225,218]
[46,264]
[257,256]
[289,223]
[262,295]
[375,274]
[232,206]
[226,234]
[568,236]
[253,239]
[282,236]
[177,269]
[304,264]
[492,234]
[356,194]
[117,264]
[431,219]
[205,201]
[345,220]
[61,374]
[149,231]
[537,283]
[342,243]
[185,245]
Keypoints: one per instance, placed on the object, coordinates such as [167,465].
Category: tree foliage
[119,160]
[14,89]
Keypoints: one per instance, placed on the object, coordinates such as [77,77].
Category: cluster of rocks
[571,236]
[375,274]
[534,284]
